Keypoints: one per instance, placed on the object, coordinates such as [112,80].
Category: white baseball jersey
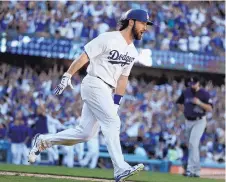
[110,56]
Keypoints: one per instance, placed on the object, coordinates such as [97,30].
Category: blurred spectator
[194,40]
[41,123]
[179,26]
[148,113]
[19,134]
[3,131]
[140,151]
[92,155]
[172,154]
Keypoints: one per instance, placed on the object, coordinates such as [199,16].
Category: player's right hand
[65,81]
[116,107]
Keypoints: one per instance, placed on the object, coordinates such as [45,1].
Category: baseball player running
[196,103]
[111,56]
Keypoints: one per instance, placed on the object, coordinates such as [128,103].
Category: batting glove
[65,81]
[116,107]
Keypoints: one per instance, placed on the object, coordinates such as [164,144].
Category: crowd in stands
[152,125]
[179,26]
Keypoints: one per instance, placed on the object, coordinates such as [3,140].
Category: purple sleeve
[9,133]
[2,133]
[208,99]
[29,132]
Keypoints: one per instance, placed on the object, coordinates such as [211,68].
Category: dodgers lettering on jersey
[120,58]
[110,56]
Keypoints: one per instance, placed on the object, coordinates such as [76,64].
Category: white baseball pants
[68,156]
[92,154]
[53,154]
[98,111]
[79,148]
[19,153]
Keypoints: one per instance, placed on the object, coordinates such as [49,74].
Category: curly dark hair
[122,24]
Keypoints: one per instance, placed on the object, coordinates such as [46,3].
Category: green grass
[96,173]
[33,179]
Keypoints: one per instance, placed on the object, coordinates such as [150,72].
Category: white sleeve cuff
[67,75]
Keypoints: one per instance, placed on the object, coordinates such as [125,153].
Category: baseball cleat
[35,151]
[196,175]
[189,174]
[126,174]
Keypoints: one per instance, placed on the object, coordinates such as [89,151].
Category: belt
[194,118]
[106,83]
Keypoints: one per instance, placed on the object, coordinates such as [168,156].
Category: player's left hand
[196,101]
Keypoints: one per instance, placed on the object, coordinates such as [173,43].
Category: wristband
[67,75]
[117,99]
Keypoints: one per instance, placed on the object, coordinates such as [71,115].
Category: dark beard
[135,33]
[193,90]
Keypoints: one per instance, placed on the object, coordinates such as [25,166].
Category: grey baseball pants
[194,131]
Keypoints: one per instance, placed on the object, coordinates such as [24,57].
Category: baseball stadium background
[39,40]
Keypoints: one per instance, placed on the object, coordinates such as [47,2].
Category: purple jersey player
[196,102]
